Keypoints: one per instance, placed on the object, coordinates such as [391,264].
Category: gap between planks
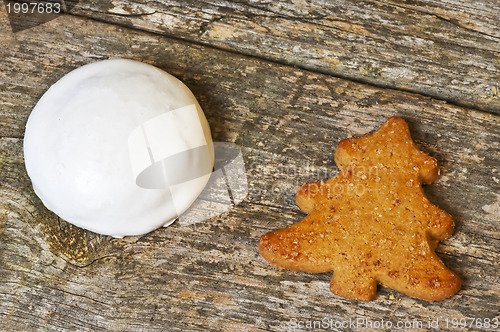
[283,63]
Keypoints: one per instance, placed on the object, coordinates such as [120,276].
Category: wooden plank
[210,275]
[448,50]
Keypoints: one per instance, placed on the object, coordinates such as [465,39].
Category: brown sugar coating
[371,223]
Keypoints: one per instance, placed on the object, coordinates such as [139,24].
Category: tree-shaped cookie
[371,223]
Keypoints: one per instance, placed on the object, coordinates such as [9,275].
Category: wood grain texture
[449,50]
[209,276]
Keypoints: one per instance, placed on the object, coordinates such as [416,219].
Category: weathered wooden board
[449,50]
[209,276]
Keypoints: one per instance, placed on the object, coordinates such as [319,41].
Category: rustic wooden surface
[287,121]
[448,50]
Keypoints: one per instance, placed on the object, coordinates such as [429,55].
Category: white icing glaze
[78,154]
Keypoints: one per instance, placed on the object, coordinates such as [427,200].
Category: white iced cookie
[118,147]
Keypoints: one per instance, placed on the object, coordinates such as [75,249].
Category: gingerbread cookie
[371,223]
